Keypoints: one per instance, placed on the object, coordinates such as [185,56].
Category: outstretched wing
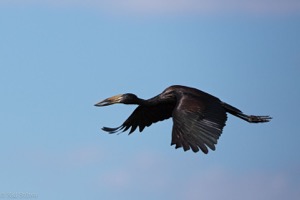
[144,116]
[198,123]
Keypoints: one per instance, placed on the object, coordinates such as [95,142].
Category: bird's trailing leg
[249,118]
[253,118]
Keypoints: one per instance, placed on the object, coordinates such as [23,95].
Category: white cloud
[173,6]
[154,172]
[260,185]
[149,173]
[206,6]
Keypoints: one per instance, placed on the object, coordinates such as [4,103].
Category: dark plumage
[198,117]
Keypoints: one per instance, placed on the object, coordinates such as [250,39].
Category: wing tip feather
[112,130]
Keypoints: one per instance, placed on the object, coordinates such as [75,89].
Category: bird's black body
[198,117]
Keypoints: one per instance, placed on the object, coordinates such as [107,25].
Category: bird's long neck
[136,101]
[141,102]
[149,102]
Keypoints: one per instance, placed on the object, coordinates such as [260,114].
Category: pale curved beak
[110,101]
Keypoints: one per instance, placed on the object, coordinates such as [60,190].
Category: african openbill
[198,117]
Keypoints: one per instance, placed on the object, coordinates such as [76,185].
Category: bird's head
[127,98]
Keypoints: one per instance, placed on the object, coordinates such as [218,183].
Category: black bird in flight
[198,117]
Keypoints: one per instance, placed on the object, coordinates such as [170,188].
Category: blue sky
[58,58]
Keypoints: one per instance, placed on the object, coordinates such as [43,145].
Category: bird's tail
[249,118]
